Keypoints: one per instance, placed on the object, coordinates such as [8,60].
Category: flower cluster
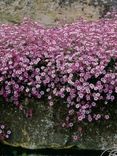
[75,62]
[4,132]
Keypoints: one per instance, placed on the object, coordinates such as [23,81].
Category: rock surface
[44,130]
[51,11]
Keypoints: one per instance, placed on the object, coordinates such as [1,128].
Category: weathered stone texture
[51,11]
[44,129]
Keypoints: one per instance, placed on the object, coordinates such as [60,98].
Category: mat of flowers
[76,63]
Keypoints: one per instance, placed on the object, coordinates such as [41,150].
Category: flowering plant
[76,63]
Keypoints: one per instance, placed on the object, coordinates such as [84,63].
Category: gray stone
[44,129]
[51,11]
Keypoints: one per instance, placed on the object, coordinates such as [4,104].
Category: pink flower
[74,65]
[106,117]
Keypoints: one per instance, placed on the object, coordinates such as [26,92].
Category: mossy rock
[44,129]
[49,12]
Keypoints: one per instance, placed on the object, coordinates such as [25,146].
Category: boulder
[51,11]
[44,129]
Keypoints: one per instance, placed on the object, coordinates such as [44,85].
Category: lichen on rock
[49,12]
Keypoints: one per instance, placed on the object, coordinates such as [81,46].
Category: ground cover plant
[74,63]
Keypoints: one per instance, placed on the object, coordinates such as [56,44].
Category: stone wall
[51,11]
[41,131]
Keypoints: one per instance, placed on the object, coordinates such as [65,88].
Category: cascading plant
[76,63]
